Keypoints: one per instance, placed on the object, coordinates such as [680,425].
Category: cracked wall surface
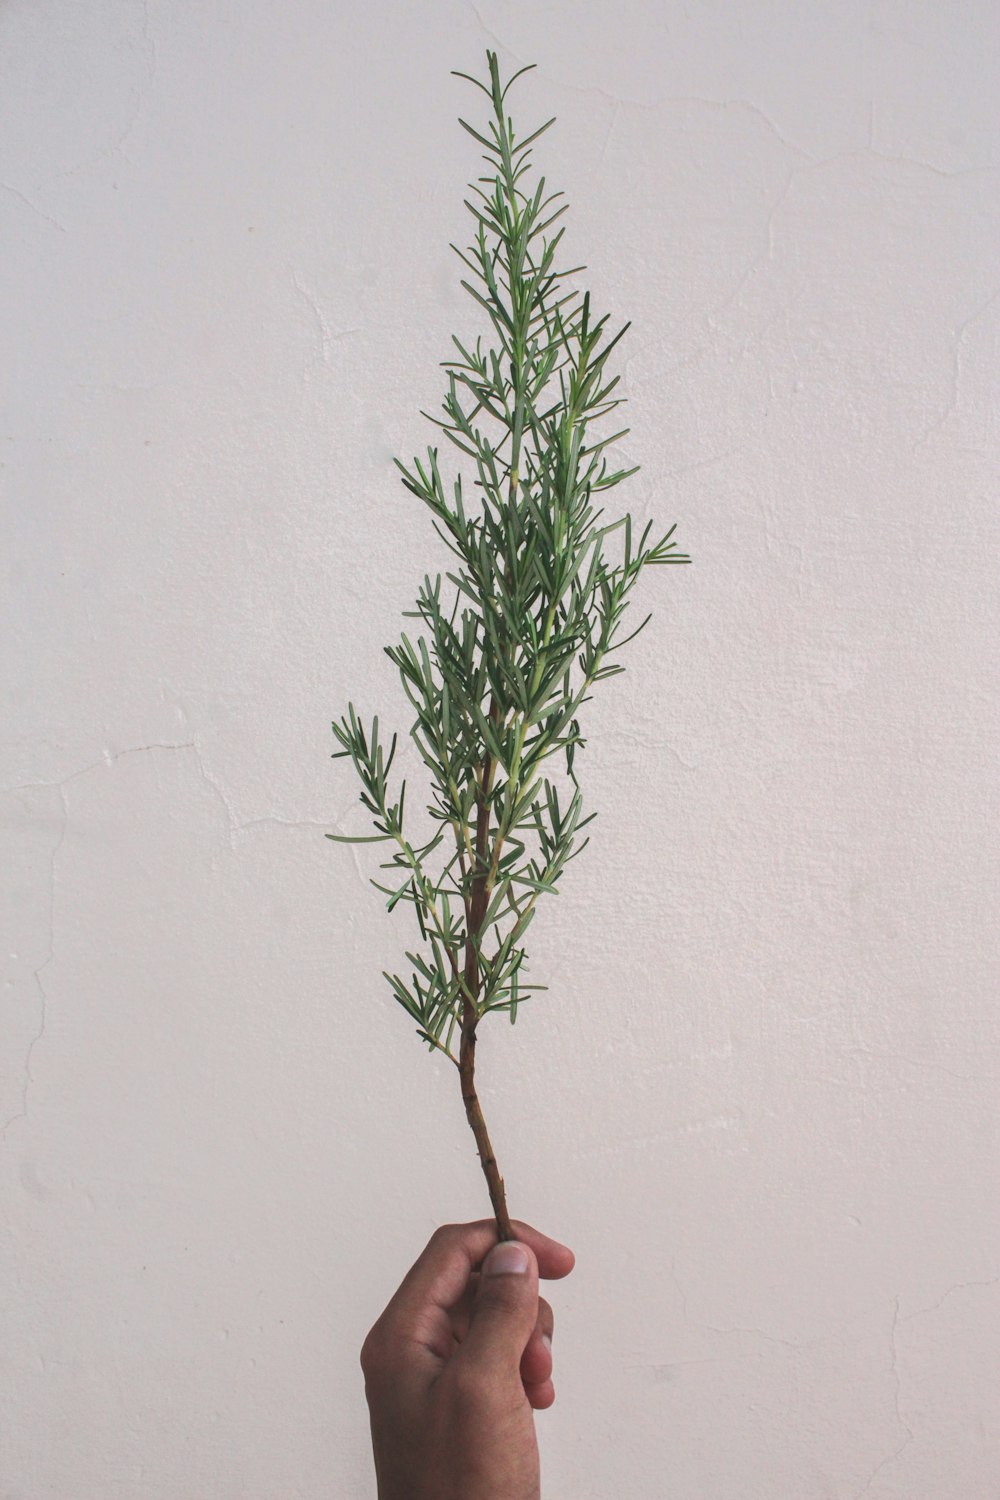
[759,1095]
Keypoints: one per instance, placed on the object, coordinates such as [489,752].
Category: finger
[504,1314]
[536,1361]
[555,1260]
[441,1273]
[545,1326]
[460,1313]
[541,1396]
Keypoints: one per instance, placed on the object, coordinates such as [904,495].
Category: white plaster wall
[759,1099]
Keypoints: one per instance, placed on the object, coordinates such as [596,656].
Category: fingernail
[505,1258]
[547,1342]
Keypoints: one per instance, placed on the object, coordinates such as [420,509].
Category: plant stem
[478,905]
[474,1113]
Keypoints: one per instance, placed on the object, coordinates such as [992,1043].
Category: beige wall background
[759,1097]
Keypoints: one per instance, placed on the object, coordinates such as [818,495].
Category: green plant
[540,611]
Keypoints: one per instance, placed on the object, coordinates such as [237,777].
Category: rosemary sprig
[497,690]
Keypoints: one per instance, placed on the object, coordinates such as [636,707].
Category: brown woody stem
[474,1113]
[475,912]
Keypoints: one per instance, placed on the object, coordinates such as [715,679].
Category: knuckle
[372,1350]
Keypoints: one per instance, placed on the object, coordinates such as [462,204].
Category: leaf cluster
[499,678]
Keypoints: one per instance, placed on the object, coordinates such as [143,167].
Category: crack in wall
[959,334]
[764,256]
[607,139]
[107,759]
[960,1286]
[140,95]
[232,827]
[327,335]
[22,1113]
[59,787]
[666,99]
[894,1371]
[16,193]
[769,1338]
[799,1346]
[493,36]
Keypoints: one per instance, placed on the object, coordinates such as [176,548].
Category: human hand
[458,1362]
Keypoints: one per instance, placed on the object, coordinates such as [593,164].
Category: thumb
[505,1310]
